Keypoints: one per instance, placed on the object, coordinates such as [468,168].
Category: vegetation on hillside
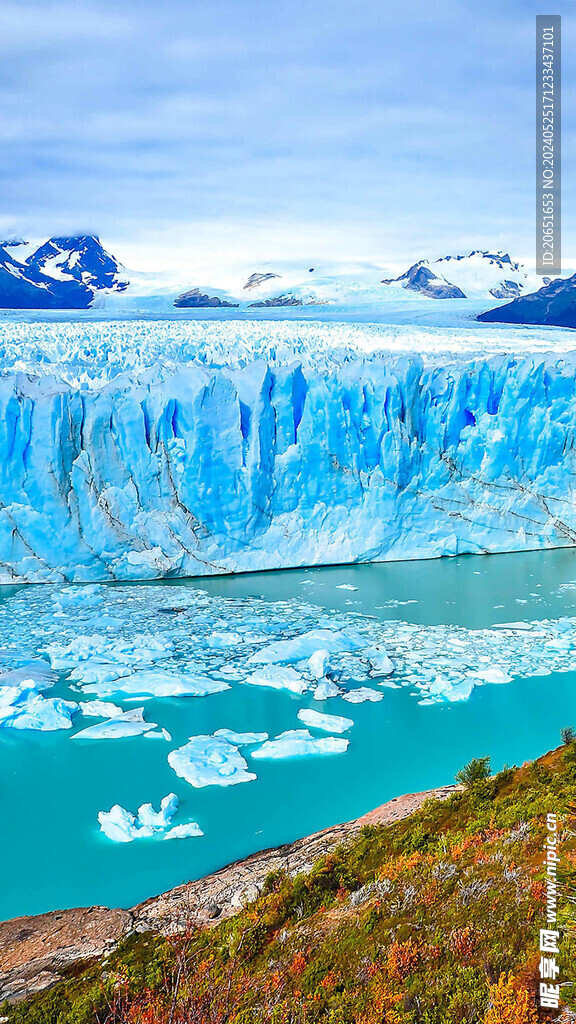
[432,920]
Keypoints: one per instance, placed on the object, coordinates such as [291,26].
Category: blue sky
[268,129]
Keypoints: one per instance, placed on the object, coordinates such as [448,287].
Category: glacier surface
[146,450]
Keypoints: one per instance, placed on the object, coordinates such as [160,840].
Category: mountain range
[77,272]
[554,305]
[62,273]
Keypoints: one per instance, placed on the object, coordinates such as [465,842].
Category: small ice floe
[191,828]
[162,818]
[345,586]
[490,675]
[241,739]
[210,761]
[128,723]
[221,641]
[139,650]
[380,663]
[318,663]
[157,683]
[79,596]
[162,734]
[278,677]
[304,646]
[326,689]
[22,707]
[121,826]
[450,690]
[99,709]
[330,723]
[299,743]
[362,694]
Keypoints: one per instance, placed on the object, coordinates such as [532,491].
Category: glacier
[147,450]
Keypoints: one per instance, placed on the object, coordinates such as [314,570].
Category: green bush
[475,771]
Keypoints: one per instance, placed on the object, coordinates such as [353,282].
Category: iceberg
[162,818]
[128,723]
[380,662]
[318,663]
[99,709]
[361,694]
[329,443]
[326,689]
[190,828]
[305,646]
[278,678]
[157,683]
[210,761]
[22,707]
[241,739]
[299,743]
[330,723]
[122,827]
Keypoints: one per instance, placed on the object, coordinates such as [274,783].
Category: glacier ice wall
[196,469]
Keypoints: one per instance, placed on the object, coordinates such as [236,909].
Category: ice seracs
[348,476]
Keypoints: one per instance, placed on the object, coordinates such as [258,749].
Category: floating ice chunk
[37,675]
[21,707]
[304,646]
[158,683]
[362,694]
[121,826]
[191,828]
[491,675]
[278,677]
[80,595]
[380,663]
[318,664]
[449,690]
[241,739]
[163,734]
[99,709]
[299,743]
[345,586]
[129,723]
[162,818]
[326,689]
[330,723]
[140,650]
[209,761]
[221,641]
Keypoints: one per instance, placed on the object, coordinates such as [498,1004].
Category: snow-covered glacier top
[92,353]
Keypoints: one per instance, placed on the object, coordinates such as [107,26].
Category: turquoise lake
[53,854]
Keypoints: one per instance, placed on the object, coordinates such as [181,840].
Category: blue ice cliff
[137,451]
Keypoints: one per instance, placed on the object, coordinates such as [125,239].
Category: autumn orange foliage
[403,958]
[510,1004]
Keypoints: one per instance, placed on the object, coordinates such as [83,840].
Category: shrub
[568,734]
[509,1004]
[477,770]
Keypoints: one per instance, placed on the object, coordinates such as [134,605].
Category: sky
[207,131]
